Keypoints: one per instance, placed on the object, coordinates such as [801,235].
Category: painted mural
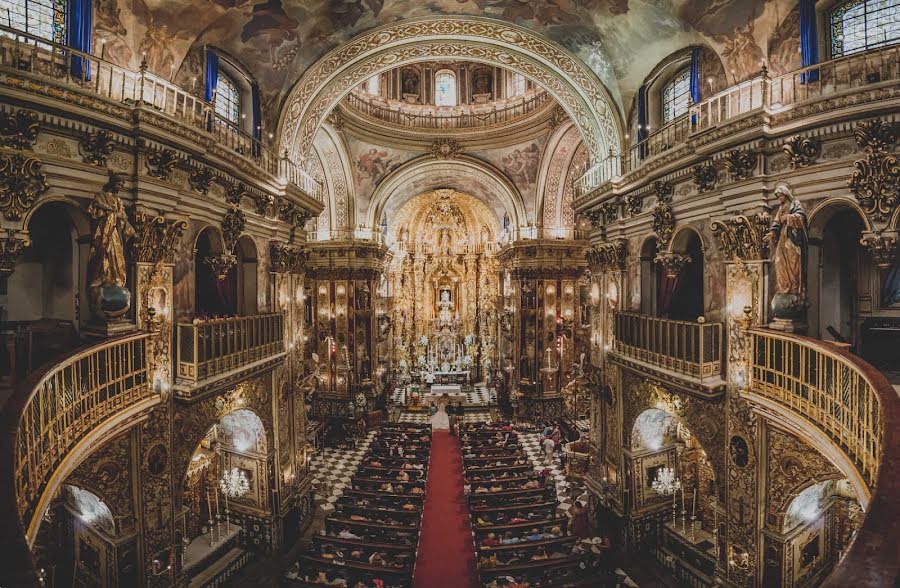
[621,40]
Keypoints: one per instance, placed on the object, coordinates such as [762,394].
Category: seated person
[347,534]
[490,540]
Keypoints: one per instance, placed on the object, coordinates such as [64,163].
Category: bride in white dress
[440,420]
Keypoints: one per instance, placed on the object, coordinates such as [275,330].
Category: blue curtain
[809,40]
[212,80]
[79,28]
[642,133]
[257,117]
[695,80]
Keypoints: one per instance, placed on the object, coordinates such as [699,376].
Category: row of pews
[370,540]
[520,538]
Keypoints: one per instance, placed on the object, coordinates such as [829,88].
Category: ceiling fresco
[276,40]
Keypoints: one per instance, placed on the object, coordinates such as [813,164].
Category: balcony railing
[42,59]
[762,93]
[358,234]
[685,347]
[211,347]
[859,411]
[547,233]
[442,117]
[66,404]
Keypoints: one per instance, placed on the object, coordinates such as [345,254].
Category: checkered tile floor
[479,396]
[583,426]
[567,491]
[332,469]
[422,418]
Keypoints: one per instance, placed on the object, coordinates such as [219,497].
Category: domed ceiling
[276,40]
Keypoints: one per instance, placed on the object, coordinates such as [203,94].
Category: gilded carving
[882,247]
[876,178]
[608,256]
[161,163]
[663,190]
[221,264]
[740,163]
[232,227]
[261,204]
[284,259]
[634,203]
[672,263]
[663,223]
[156,238]
[802,151]
[741,237]
[201,178]
[235,192]
[96,147]
[444,148]
[610,210]
[22,181]
[19,129]
[10,248]
[705,175]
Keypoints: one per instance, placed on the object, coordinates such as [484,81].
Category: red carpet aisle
[446,557]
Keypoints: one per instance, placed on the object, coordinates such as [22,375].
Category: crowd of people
[370,539]
[521,539]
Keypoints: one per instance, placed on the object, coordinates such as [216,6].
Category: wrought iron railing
[442,117]
[210,347]
[762,93]
[855,406]
[70,401]
[97,77]
[685,347]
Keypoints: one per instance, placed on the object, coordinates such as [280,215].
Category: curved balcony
[443,118]
[852,408]
[43,62]
[68,410]
[771,96]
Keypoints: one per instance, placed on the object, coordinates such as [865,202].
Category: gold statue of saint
[111,230]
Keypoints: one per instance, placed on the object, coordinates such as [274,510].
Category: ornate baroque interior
[619,278]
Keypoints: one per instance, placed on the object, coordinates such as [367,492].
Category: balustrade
[69,402]
[759,94]
[686,347]
[21,52]
[210,347]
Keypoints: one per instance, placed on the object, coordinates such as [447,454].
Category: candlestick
[209,505]
[694,504]
[693,527]
[217,502]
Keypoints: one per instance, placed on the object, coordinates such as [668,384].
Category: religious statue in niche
[444,246]
[108,270]
[409,82]
[787,239]
[482,83]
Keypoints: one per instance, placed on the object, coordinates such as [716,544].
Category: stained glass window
[228,99]
[518,84]
[676,96]
[445,88]
[42,18]
[373,85]
[860,25]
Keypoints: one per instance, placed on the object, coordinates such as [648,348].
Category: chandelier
[666,483]
[233,484]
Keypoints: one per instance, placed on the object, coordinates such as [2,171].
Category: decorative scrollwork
[882,247]
[610,210]
[286,211]
[634,203]
[443,148]
[234,193]
[595,215]
[286,259]
[10,249]
[161,163]
[740,163]
[876,178]
[262,203]
[233,226]
[705,175]
[156,238]
[19,129]
[802,151]
[663,223]
[21,182]
[221,264]
[97,147]
[557,117]
[672,263]
[301,218]
[741,237]
[201,178]
[663,190]
[608,256]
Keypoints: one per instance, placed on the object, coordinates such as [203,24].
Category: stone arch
[217,245]
[337,170]
[571,82]
[558,155]
[825,211]
[454,171]
[74,211]
[682,235]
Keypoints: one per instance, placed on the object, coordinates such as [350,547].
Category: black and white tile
[423,418]
[332,469]
[568,490]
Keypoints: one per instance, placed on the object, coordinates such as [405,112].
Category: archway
[246,272]
[237,442]
[649,277]
[687,300]
[497,43]
[213,295]
[46,295]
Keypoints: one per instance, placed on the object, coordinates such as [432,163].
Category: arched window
[676,96]
[445,88]
[42,18]
[373,85]
[228,99]
[860,25]
[518,84]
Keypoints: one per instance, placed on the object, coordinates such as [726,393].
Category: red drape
[665,293]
